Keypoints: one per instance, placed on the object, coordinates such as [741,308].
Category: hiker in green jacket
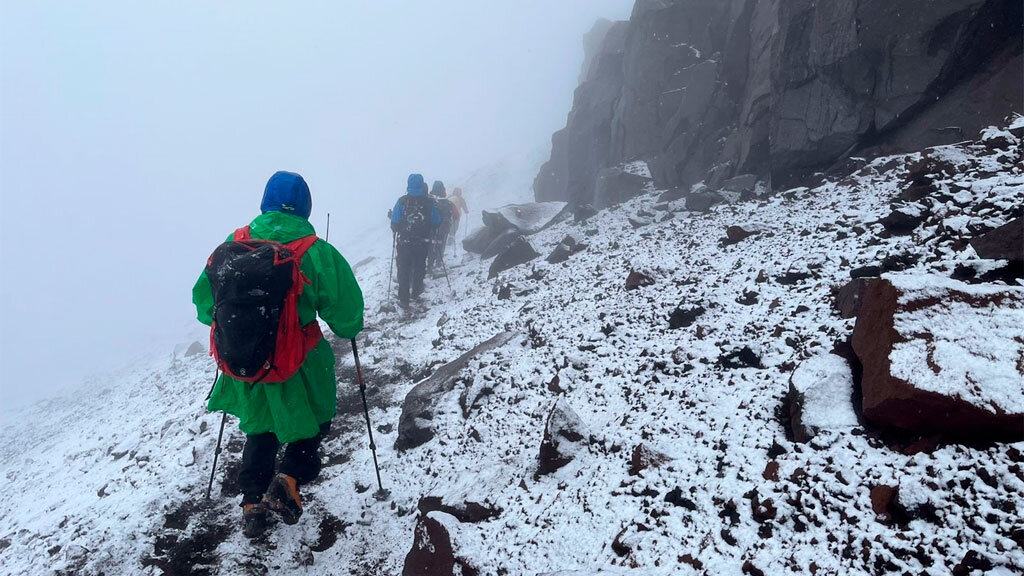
[298,411]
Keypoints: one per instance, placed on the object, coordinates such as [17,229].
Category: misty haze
[566,288]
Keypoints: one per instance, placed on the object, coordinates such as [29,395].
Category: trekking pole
[220,435]
[216,454]
[366,412]
[445,268]
[327,235]
[391,267]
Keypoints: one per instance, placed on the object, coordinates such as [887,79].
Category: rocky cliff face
[710,89]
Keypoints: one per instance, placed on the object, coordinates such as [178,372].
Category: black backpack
[447,209]
[256,335]
[416,224]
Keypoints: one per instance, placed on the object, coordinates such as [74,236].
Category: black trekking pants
[412,266]
[301,461]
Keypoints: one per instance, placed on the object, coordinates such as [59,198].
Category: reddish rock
[883,501]
[638,279]
[771,471]
[645,457]
[432,553]
[850,296]
[958,351]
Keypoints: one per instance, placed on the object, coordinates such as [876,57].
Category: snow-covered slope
[111,481]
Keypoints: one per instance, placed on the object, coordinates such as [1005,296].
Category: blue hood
[288,193]
[415,185]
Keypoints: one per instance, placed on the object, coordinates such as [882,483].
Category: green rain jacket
[294,409]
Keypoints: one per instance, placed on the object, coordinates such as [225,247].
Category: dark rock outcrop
[711,89]
[414,425]
[466,511]
[566,248]
[502,240]
[618,184]
[1003,243]
[683,317]
[938,357]
[519,251]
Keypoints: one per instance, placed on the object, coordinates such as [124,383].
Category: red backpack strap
[300,246]
[242,234]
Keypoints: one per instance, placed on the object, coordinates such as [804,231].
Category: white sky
[135,135]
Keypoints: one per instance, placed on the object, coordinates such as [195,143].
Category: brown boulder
[734,234]
[942,357]
[432,552]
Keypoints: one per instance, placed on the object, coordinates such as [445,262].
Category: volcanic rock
[618,184]
[821,396]
[637,280]
[743,357]
[518,252]
[527,218]
[479,240]
[703,201]
[564,437]
[432,553]
[1003,243]
[501,242]
[850,296]
[645,457]
[736,234]
[683,317]
[942,357]
[415,424]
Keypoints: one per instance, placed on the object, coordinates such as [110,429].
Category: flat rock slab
[526,218]
[1003,243]
[821,396]
[942,357]
[415,423]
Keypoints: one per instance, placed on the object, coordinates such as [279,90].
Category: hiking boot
[254,520]
[283,498]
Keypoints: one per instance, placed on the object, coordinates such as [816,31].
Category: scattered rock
[750,570]
[676,498]
[743,184]
[637,280]
[566,248]
[415,423]
[465,511]
[637,222]
[620,548]
[645,457]
[942,357]
[771,471]
[865,272]
[850,296]
[672,195]
[741,358]
[195,349]
[884,503]
[681,318]
[972,561]
[564,438]
[518,252]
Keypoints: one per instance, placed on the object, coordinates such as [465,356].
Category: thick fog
[135,136]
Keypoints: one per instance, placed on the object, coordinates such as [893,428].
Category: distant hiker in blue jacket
[414,220]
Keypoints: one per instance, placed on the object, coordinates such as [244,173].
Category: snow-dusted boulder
[942,357]
[564,437]
[850,296]
[415,425]
[500,243]
[821,396]
[527,218]
[617,184]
